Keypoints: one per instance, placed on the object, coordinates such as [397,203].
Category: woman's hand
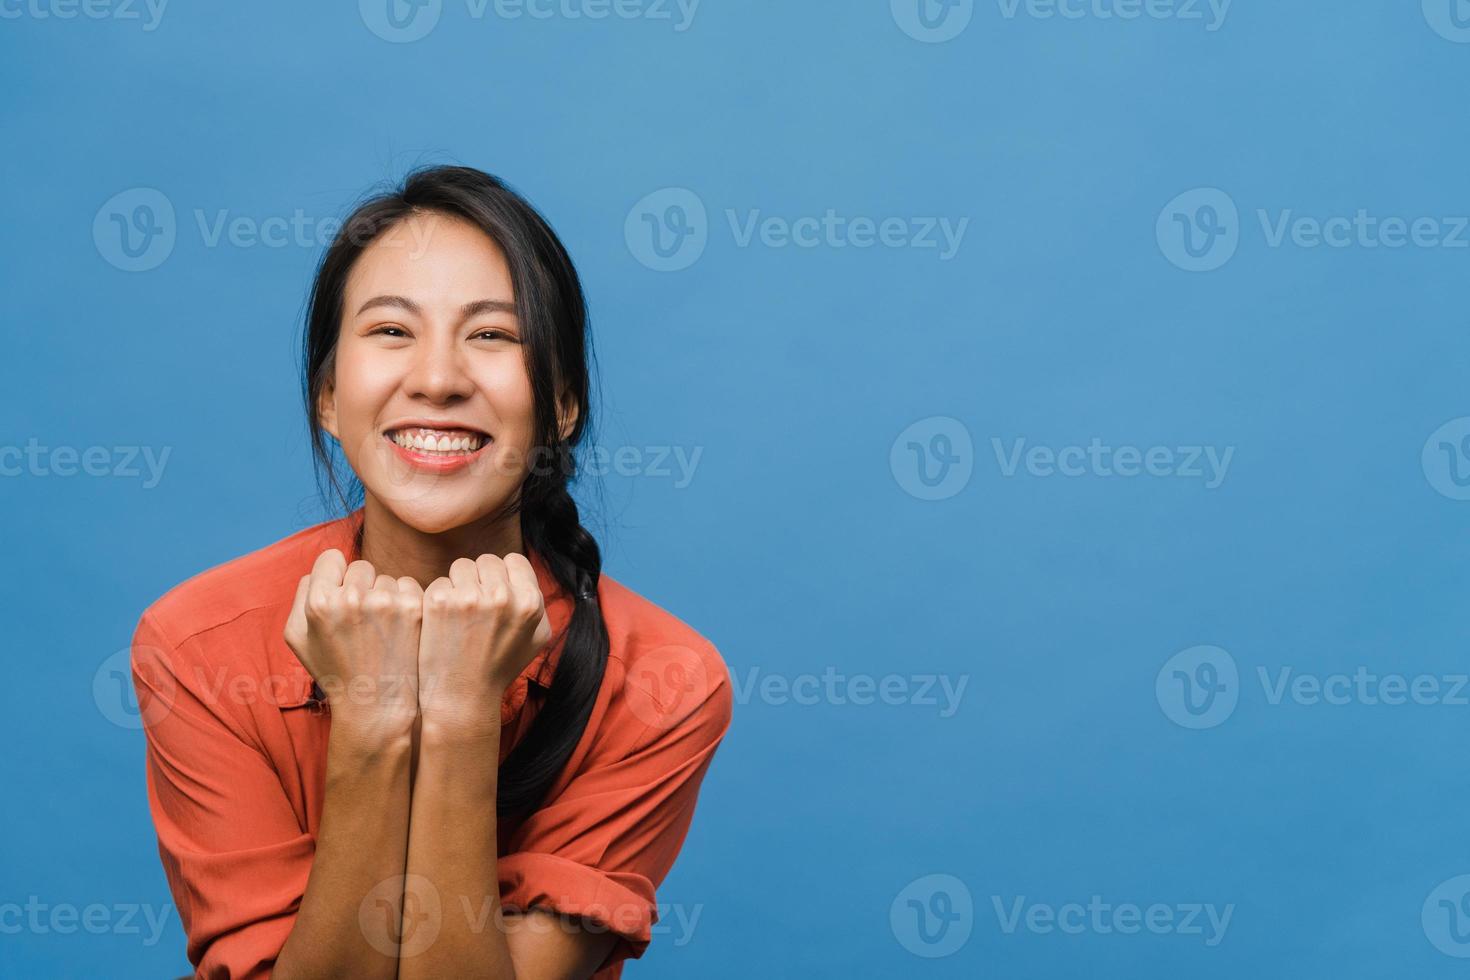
[357,634]
[482,626]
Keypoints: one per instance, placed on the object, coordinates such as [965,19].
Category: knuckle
[377,602]
[525,609]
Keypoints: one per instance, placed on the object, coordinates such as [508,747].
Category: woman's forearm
[452,850]
[349,921]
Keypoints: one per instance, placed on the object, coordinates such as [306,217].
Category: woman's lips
[461,447]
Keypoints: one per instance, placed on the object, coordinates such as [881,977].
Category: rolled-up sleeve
[601,847]
[234,853]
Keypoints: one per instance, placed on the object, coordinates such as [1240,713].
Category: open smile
[435,449]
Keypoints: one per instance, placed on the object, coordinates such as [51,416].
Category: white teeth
[428,441]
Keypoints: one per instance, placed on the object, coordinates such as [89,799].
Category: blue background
[802,544]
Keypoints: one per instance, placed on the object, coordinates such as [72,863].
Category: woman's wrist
[474,719]
[362,731]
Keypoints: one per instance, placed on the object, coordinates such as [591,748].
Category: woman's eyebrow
[400,302]
[486,306]
[473,308]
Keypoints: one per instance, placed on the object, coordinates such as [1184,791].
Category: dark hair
[552,314]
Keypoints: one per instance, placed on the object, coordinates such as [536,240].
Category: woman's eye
[388,331]
[493,335]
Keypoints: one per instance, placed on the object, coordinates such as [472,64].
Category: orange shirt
[237,752]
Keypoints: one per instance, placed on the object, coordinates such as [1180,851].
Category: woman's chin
[428,515]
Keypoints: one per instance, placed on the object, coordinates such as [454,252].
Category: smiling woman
[429,738]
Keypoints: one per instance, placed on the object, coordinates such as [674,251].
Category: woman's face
[431,397]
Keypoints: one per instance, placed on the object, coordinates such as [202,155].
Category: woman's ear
[326,410]
[567,413]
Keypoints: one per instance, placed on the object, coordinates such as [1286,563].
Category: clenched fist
[482,625]
[357,634]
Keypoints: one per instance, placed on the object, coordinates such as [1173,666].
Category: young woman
[429,738]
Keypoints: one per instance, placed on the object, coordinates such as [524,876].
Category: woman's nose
[438,374]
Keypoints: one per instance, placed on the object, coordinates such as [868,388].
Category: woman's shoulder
[259,580]
[665,668]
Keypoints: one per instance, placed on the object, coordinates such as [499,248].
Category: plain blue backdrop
[913,452]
